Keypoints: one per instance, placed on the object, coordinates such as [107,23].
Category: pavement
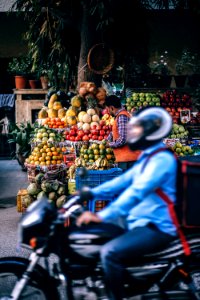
[12,178]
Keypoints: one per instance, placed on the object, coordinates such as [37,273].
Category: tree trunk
[88,39]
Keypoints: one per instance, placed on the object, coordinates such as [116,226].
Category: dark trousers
[124,251]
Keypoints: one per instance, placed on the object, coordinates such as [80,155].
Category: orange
[49,154]
[59,162]
[53,162]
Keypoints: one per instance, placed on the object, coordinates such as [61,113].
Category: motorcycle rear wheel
[36,289]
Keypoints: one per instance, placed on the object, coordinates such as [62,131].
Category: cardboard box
[20,204]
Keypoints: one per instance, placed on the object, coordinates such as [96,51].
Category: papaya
[71,120]
[61,113]
[52,113]
[52,99]
[76,101]
[57,105]
[42,114]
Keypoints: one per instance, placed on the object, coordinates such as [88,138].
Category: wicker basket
[100,59]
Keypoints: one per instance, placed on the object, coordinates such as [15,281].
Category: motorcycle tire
[39,286]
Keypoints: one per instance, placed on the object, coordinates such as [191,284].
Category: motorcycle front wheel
[36,289]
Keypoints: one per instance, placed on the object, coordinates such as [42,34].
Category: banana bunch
[71,172]
[101,163]
[80,162]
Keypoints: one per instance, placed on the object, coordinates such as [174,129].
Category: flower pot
[20,82]
[44,82]
[34,84]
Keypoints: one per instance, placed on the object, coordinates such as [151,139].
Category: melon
[80,115]
[91,111]
[86,126]
[80,124]
[94,123]
[95,118]
[86,118]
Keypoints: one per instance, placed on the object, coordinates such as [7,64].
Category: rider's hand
[87,217]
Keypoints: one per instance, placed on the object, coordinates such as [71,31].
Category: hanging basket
[100,59]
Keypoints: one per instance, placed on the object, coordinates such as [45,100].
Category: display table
[28,103]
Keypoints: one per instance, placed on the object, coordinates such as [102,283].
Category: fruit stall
[184,139]
[69,135]
[72,133]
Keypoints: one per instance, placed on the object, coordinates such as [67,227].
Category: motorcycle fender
[19,265]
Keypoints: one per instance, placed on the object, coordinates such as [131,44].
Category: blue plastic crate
[93,179]
[96,177]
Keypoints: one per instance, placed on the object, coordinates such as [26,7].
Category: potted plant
[20,67]
[20,136]
[160,71]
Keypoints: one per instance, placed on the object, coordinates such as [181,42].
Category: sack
[188,193]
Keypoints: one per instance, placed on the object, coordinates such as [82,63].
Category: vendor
[124,157]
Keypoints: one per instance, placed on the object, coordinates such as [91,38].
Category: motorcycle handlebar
[84,194]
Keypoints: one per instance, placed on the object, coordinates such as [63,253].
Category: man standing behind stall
[124,157]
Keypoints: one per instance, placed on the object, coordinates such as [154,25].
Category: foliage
[20,65]
[160,65]
[189,63]
[21,135]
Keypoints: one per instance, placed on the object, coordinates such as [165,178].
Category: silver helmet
[147,127]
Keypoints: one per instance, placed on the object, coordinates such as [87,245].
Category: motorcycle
[167,274]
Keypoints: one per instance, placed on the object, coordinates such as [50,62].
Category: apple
[102,132]
[67,137]
[80,133]
[72,138]
[85,138]
[72,132]
[102,123]
[94,137]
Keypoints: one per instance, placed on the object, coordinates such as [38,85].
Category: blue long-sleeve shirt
[136,199]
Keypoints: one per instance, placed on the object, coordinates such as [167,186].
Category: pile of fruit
[45,148]
[182,150]
[54,191]
[45,136]
[174,103]
[178,131]
[95,156]
[96,131]
[139,100]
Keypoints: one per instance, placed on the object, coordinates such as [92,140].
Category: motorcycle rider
[148,218]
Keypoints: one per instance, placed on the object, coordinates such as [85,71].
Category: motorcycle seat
[175,248]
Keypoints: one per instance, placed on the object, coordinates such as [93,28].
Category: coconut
[61,201]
